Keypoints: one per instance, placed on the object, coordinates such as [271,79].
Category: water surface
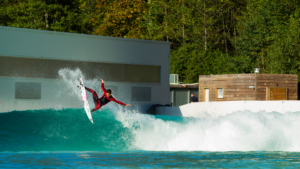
[65,138]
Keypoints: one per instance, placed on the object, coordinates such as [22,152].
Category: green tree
[64,16]
[197,32]
[119,18]
[189,62]
[284,53]
[260,26]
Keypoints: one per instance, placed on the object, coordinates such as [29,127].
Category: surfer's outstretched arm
[112,99]
[102,86]
[123,104]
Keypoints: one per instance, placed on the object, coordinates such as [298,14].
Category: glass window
[220,93]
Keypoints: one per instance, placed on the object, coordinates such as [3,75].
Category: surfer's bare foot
[80,82]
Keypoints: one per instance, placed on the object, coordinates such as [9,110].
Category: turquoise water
[61,130]
[150,160]
[66,138]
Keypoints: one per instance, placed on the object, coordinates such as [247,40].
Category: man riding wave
[104,99]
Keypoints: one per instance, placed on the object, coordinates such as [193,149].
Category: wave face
[115,130]
[61,130]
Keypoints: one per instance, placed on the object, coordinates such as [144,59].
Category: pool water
[150,160]
[66,139]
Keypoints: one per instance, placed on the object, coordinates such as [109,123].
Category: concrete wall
[54,94]
[228,107]
[27,43]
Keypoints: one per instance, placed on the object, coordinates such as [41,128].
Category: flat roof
[82,35]
[184,86]
[243,74]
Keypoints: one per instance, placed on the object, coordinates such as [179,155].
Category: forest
[206,36]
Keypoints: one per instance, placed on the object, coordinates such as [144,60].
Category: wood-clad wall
[235,86]
[246,86]
[276,81]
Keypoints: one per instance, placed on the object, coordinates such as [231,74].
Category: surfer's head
[108,91]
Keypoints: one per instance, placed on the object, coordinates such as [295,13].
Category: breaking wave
[116,130]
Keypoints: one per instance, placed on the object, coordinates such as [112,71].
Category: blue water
[66,138]
[150,160]
[61,130]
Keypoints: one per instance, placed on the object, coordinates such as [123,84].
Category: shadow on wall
[169,111]
[158,109]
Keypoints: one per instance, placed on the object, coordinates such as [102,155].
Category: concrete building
[34,66]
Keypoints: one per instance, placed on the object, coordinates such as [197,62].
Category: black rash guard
[104,100]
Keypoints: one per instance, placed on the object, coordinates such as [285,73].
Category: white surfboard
[85,101]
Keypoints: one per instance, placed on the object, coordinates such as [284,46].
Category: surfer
[104,99]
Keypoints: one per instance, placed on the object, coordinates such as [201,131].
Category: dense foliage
[54,15]
[206,36]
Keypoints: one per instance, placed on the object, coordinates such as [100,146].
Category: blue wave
[62,130]
[115,131]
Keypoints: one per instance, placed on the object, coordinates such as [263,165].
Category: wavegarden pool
[65,138]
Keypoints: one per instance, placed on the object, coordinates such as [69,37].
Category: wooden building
[233,87]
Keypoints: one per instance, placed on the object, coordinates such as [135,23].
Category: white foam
[239,131]
[70,78]
[229,131]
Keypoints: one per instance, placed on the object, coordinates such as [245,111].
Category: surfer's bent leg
[97,107]
[90,90]
[95,96]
